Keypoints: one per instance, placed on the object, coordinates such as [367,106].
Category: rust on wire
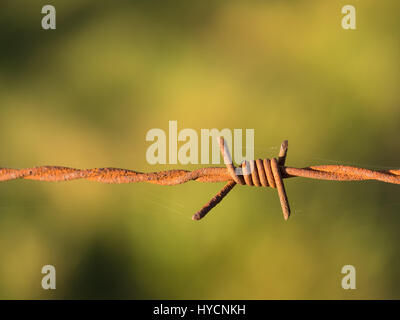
[260,173]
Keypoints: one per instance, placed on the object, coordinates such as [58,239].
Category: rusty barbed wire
[260,173]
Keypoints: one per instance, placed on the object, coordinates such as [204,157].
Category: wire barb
[260,173]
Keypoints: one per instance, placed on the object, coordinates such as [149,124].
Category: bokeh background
[84,95]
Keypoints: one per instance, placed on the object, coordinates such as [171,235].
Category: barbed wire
[260,173]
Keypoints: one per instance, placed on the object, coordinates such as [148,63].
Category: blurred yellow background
[84,95]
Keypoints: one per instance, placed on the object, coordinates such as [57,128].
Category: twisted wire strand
[260,173]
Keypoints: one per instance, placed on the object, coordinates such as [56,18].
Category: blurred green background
[84,95]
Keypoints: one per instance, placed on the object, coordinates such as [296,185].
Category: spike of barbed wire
[260,173]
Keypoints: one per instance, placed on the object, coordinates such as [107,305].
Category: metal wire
[265,173]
